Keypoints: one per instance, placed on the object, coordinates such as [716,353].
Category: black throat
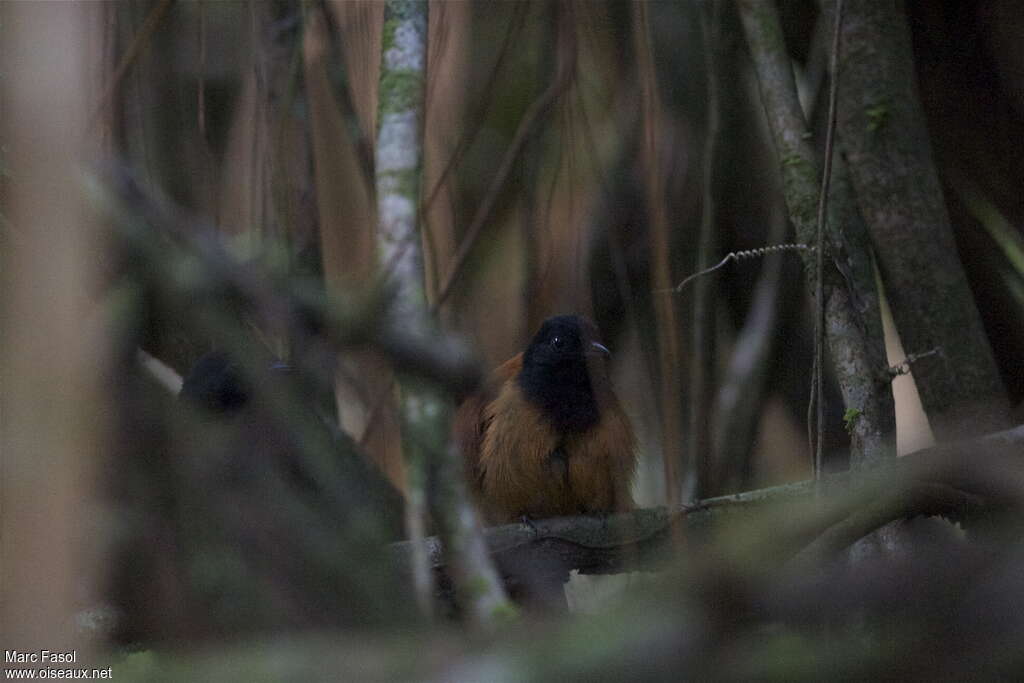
[562,391]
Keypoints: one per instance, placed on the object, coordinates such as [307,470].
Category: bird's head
[565,340]
[562,366]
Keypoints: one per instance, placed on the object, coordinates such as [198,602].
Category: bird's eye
[557,342]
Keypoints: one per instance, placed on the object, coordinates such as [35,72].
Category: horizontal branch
[641,540]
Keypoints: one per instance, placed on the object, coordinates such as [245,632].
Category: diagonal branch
[531,120]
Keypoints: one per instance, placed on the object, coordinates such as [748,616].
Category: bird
[546,435]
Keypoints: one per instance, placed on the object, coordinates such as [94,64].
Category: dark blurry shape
[215,384]
[262,414]
[263,516]
[248,511]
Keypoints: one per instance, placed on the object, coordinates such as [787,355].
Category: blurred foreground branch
[355,321]
[52,407]
[737,610]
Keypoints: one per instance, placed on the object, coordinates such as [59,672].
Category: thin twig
[703,332]
[140,40]
[903,367]
[819,320]
[163,374]
[812,404]
[736,256]
[201,80]
[483,214]
[526,128]
[478,117]
[741,393]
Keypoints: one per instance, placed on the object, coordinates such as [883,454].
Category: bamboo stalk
[660,247]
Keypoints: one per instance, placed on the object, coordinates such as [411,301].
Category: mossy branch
[933,481]
[852,321]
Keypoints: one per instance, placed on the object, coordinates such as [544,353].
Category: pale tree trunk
[425,411]
[52,350]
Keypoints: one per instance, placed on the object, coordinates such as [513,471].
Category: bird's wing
[506,371]
[471,419]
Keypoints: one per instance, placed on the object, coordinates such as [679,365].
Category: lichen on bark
[853,328]
[884,136]
[435,477]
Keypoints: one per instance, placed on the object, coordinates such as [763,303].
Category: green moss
[505,612]
[850,418]
[400,91]
[388,37]
[402,10]
[476,587]
[767,23]
[792,159]
[878,116]
[404,183]
[397,12]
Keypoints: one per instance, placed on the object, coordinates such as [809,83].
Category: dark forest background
[181,178]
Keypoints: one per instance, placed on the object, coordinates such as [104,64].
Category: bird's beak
[600,348]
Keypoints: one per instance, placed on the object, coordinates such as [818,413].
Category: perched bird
[547,436]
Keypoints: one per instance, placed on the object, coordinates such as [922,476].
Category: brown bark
[346,213]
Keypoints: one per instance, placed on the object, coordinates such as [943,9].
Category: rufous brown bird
[547,436]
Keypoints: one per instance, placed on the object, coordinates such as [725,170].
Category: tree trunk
[853,325]
[883,134]
[432,461]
